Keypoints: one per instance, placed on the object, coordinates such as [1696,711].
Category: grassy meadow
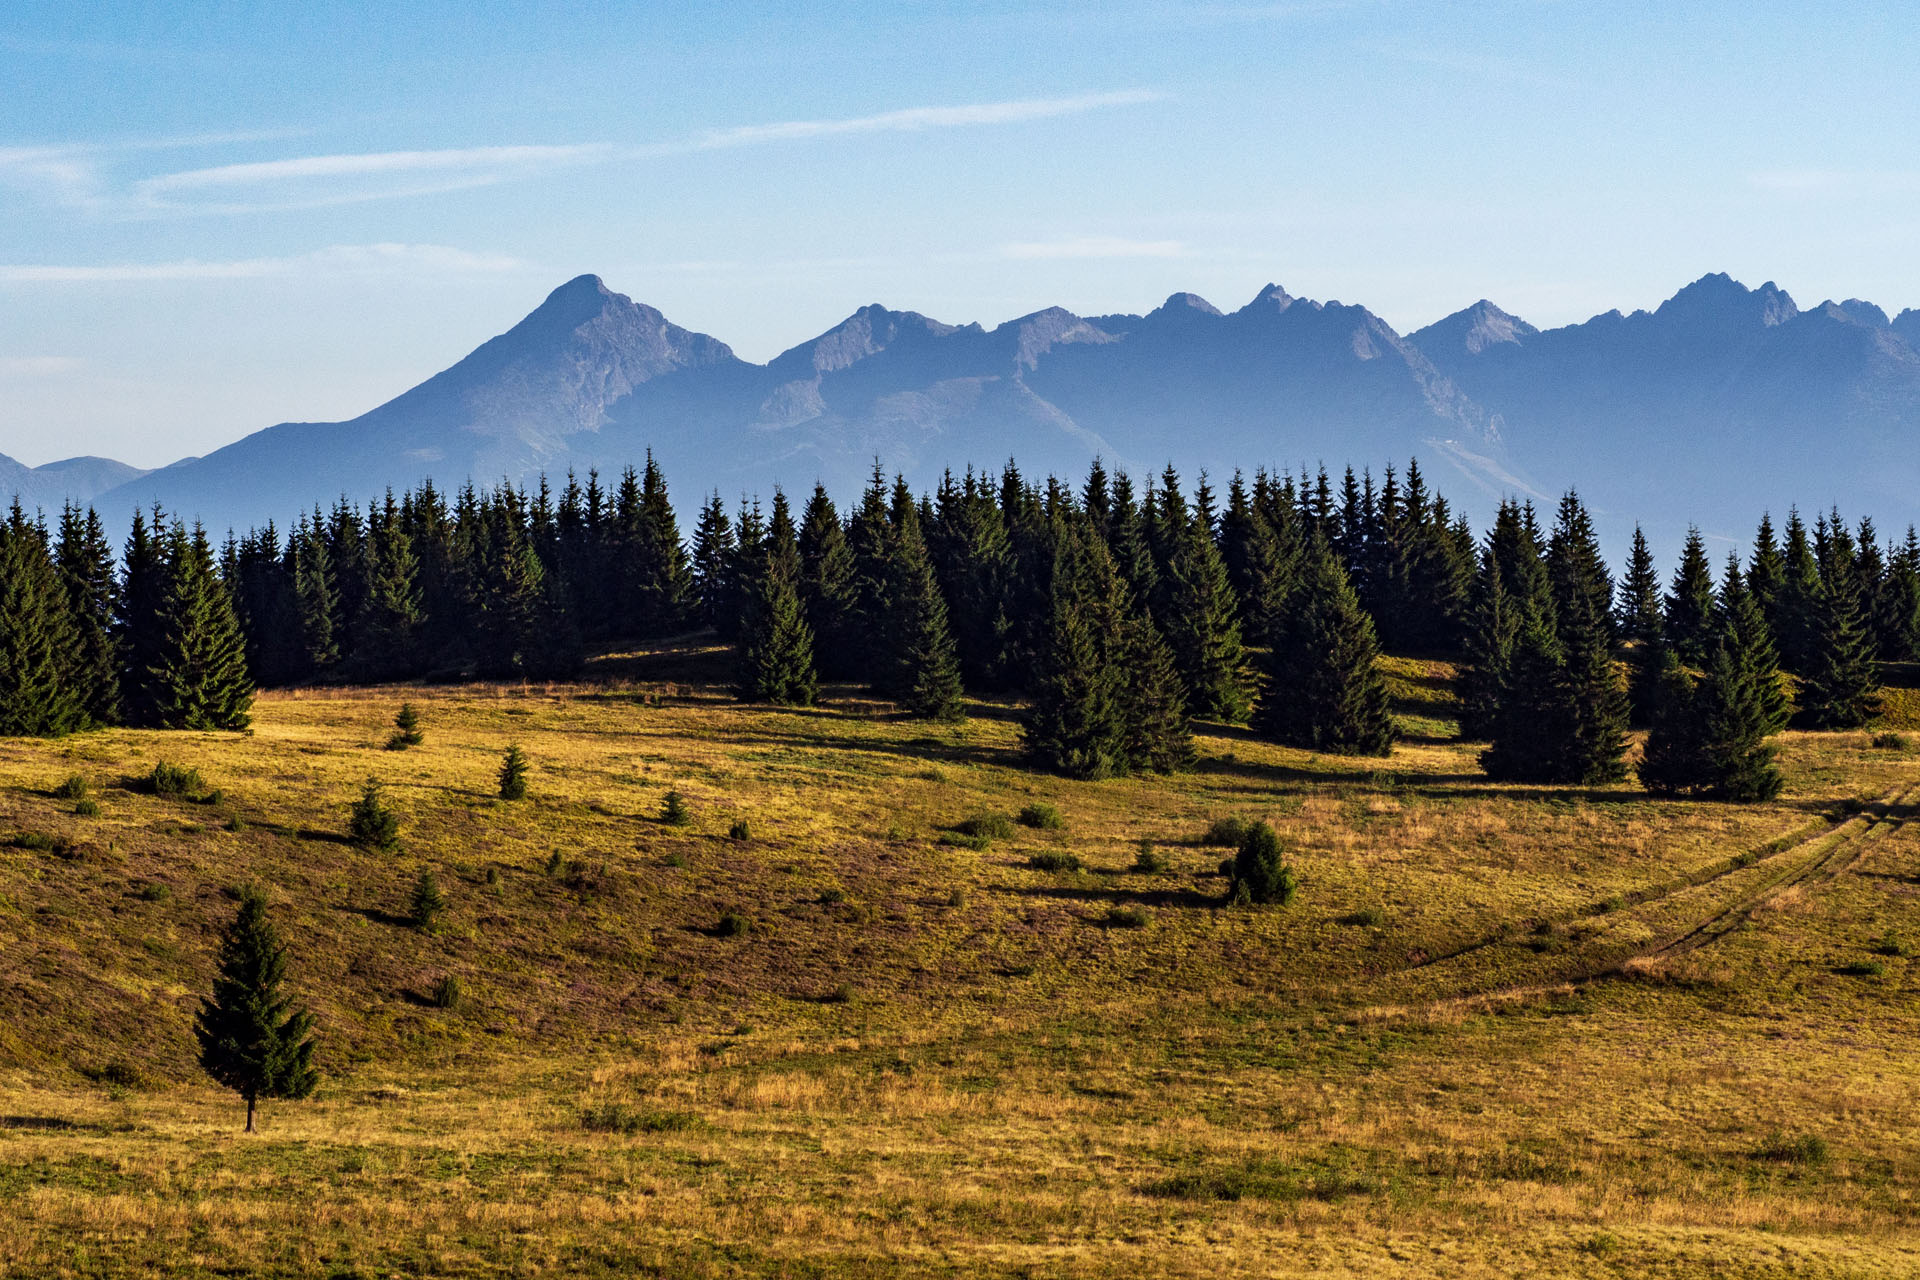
[1502,1030]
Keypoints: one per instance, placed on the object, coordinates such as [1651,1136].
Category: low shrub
[1042,817]
[954,840]
[1808,1150]
[1373,917]
[74,788]
[172,780]
[1892,742]
[41,842]
[1224,833]
[1127,918]
[155,892]
[87,809]
[732,925]
[447,993]
[613,1117]
[830,897]
[1054,860]
[957,899]
[1888,945]
[985,826]
[842,994]
[740,830]
[1861,969]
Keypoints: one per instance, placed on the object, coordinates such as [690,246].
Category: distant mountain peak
[1474,329]
[1273,297]
[1862,312]
[1185,304]
[1718,294]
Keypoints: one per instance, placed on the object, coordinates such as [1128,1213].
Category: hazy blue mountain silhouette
[52,485]
[1722,402]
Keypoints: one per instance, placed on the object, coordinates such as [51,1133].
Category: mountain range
[1721,403]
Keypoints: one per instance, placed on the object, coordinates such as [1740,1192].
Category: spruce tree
[85,561]
[1841,689]
[1709,736]
[1638,612]
[252,1038]
[1073,723]
[1494,629]
[1260,871]
[1525,737]
[513,774]
[1592,704]
[1766,574]
[1641,622]
[926,678]
[1199,616]
[1689,605]
[1576,571]
[317,598]
[1673,761]
[426,903]
[776,645]
[1797,610]
[713,553]
[201,666]
[1324,691]
[388,636]
[141,622]
[1901,628]
[37,641]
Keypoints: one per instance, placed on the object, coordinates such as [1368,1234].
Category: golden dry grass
[928,1059]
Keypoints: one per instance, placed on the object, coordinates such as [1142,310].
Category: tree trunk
[249,1113]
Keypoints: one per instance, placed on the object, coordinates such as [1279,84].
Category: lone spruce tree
[513,774]
[1324,691]
[252,1038]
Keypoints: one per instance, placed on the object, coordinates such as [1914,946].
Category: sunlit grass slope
[1486,1040]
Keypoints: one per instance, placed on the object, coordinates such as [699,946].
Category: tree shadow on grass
[378,916]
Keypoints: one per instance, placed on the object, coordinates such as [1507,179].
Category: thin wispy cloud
[78,176]
[919,119]
[313,181]
[1092,247]
[348,259]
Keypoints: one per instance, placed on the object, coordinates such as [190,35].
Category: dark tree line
[1120,613]
[155,644]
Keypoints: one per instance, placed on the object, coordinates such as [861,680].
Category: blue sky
[213,218]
